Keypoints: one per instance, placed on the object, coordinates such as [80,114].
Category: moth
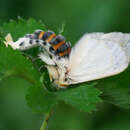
[94,56]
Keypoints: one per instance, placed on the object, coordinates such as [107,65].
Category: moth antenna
[62,28]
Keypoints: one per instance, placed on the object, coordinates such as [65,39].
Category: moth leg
[23,43]
[45,57]
[53,73]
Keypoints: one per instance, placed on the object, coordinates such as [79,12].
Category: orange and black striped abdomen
[58,45]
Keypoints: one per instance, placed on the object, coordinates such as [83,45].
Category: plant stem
[45,121]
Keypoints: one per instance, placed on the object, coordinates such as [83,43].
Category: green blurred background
[79,17]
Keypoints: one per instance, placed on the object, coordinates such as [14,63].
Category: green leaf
[116,89]
[12,63]
[84,97]
[40,100]
[21,27]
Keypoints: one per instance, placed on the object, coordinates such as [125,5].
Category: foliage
[41,96]
[116,89]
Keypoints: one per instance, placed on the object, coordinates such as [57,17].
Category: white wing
[94,35]
[123,39]
[94,58]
